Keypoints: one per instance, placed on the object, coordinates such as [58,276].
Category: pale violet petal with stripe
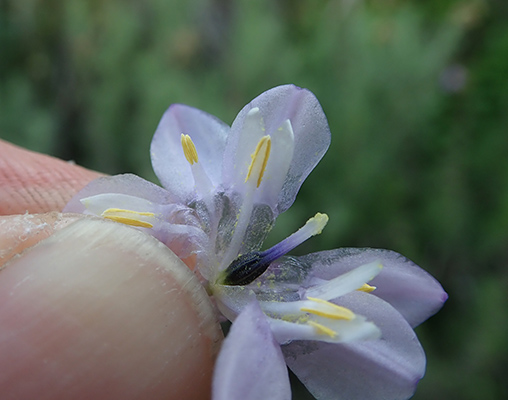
[310,131]
[411,290]
[384,369]
[127,184]
[209,135]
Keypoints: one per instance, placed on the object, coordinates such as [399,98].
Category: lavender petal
[128,184]
[250,365]
[385,369]
[310,129]
[168,159]
[407,287]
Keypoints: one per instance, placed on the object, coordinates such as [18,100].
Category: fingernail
[18,232]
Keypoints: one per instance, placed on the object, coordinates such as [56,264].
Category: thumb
[101,310]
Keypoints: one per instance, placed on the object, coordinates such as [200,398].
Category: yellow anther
[189,150]
[260,159]
[326,309]
[366,288]
[128,217]
[322,330]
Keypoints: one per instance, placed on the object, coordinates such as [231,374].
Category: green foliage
[416,94]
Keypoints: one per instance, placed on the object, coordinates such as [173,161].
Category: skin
[90,308]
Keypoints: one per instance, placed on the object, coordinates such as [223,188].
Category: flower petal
[407,287]
[248,137]
[388,368]
[326,330]
[311,138]
[250,365]
[168,159]
[130,196]
[127,184]
[344,283]
[275,162]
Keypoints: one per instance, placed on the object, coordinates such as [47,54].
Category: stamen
[345,283]
[254,174]
[189,150]
[247,267]
[317,223]
[322,330]
[314,226]
[202,182]
[128,217]
[366,288]
[328,310]
[288,325]
[260,159]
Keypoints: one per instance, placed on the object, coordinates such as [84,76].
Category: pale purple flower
[342,320]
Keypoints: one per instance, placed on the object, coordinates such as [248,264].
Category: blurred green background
[416,93]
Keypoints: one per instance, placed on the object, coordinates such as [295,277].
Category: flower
[342,320]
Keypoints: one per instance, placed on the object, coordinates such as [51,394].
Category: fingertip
[103,310]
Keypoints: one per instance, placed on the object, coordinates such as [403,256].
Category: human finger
[36,183]
[101,310]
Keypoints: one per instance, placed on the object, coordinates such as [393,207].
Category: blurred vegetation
[416,94]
